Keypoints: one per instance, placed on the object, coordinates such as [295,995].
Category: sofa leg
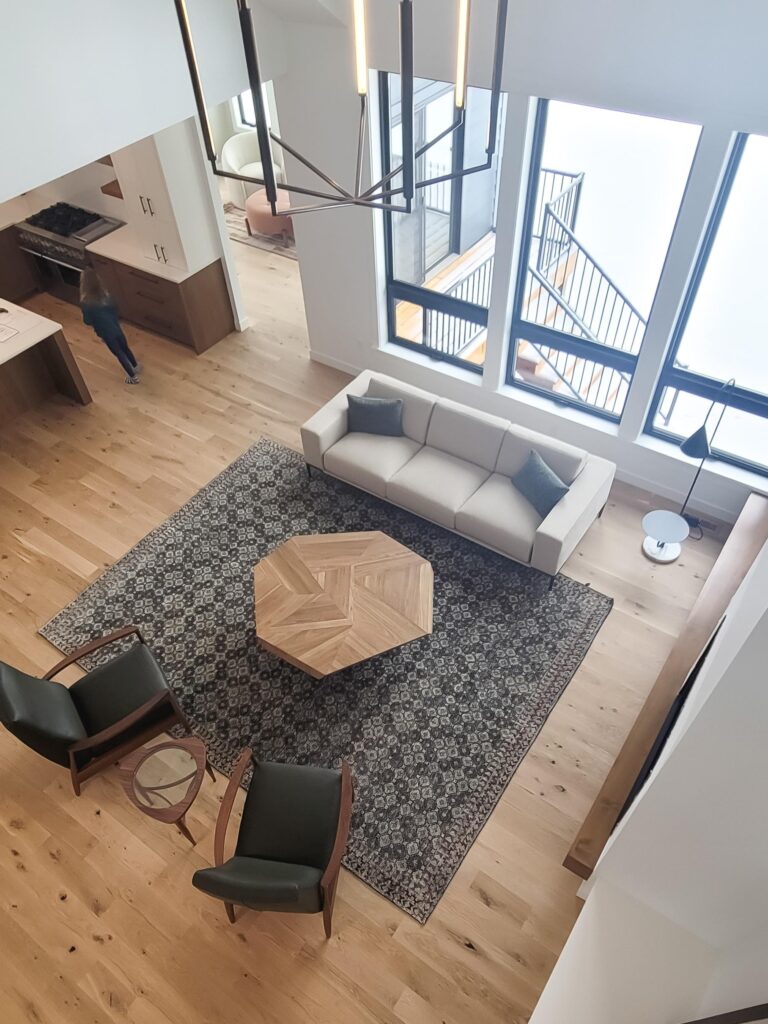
[309,470]
[600,513]
[551,583]
[230,912]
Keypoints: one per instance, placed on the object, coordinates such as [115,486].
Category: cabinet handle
[149,204]
[157,254]
[162,250]
[151,298]
[143,207]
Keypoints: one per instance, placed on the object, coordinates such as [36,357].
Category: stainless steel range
[57,237]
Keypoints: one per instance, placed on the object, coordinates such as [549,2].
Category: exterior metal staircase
[566,290]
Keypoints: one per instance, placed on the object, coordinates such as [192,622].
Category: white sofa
[453,466]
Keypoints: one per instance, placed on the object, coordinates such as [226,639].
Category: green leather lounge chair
[291,840]
[90,725]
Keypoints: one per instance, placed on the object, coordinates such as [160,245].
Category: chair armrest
[226,805]
[572,516]
[94,645]
[329,424]
[342,830]
[114,731]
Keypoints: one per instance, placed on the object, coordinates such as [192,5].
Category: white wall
[740,978]
[694,61]
[695,845]
[675,925]
[625,964]
[88,77]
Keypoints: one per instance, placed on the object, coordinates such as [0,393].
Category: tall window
[604,192]
[245,114]
[721,334]
[440,256]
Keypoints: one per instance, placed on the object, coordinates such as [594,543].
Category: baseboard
[703,508]
[336,364]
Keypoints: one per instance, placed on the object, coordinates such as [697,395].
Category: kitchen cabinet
[162,179]
[195,311]
[18,277]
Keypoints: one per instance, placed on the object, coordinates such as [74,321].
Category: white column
[700,194]
[513,187]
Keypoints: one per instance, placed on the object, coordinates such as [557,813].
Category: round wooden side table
[163,780]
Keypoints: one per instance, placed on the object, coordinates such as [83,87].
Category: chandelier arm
[312,167]
[257,94]
[419,153]
[498,67]
[336,203]
[194,74]
[406,99]
[282,187]
[360,145]
[457,174]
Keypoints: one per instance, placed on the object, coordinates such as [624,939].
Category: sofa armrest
[570,519]
[329,424]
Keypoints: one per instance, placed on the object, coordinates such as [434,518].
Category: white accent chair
[240,155]
[453,465]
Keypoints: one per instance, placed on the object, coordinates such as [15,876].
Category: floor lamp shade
[697,445]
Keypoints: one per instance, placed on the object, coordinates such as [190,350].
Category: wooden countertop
[28,329]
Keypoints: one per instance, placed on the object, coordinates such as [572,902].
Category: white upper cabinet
[168,199]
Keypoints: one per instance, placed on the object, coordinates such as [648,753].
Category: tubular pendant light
[384,194]
[462,53]
[361,51]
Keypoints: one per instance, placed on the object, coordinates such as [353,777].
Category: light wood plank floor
[98,921]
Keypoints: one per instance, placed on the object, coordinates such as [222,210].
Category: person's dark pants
[118,346]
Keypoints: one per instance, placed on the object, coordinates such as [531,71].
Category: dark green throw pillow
[539,484]
[375,415]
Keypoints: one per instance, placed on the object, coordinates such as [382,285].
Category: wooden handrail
[740,550]
[746,1016]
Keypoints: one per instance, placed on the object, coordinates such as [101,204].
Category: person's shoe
[132,380]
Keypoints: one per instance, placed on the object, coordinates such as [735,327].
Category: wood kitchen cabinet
[17,271]
[196,311]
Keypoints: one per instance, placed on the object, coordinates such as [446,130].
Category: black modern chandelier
[384,195]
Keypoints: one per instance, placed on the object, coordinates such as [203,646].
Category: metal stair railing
[589,293]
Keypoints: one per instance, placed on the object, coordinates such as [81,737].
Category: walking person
[100,312]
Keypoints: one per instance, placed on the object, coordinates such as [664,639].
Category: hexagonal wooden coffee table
[328,601]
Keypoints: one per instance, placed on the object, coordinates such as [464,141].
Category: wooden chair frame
[330,878]
[173,716]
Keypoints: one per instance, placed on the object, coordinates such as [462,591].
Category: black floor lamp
[699,446]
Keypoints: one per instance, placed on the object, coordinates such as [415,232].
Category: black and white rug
[433,730]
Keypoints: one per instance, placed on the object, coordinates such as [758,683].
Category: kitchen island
[35,363]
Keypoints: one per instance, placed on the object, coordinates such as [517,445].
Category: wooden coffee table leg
[181,825]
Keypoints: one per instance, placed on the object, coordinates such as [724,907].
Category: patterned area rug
[433,730]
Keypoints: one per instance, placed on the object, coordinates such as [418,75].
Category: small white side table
[665,532]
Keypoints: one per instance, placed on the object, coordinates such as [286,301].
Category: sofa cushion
[539,484]
[435,485]
[369,415]
[467,434]
[417,404]
[564,459]
[498,515]
[369,460]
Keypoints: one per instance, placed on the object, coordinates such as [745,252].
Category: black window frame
[397,290]
[582,348]
[696,383]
